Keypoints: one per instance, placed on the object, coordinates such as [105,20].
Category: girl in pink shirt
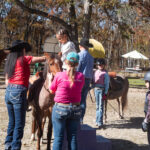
[66,113]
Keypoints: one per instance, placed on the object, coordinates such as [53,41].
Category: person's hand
[44,58]
[6,82]
[144,126]
[46,55]
[50,76]
[60,54]
[91,87]
[104,97]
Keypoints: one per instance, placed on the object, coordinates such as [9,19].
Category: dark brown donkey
[118,89]
[42,101]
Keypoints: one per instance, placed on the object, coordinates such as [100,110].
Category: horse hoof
[121,117]
[41,141]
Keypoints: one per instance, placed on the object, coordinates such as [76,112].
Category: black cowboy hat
[85,43]
[19,44]
[100,61]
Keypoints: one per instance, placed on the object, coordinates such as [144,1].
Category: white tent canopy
[135,55]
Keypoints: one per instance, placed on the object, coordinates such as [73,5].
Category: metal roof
[51,45]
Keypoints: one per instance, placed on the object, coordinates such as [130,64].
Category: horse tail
[125,93]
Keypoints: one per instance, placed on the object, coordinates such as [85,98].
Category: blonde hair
[71,71]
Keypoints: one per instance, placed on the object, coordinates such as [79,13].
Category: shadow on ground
[134,122]
[119,144]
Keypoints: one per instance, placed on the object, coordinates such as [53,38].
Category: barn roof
[51,45]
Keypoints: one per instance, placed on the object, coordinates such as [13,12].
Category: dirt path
[125,134]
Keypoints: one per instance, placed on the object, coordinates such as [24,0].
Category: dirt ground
[125,134]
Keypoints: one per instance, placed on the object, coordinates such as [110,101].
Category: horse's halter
[53,66]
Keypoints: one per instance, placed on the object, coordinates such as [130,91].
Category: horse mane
[35,89]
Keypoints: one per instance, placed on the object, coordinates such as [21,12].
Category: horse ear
[47,55]
[37,74]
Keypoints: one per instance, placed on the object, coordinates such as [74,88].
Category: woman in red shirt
[17,73]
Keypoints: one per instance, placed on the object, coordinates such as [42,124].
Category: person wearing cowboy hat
[17,73]
[85,66]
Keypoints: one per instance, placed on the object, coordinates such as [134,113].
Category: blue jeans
[99,106]
[65,118]
[84,93]
[148,134]
[15,99]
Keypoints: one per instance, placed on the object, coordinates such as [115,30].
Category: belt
[16,85]
[67,104]
[87,78]
[99,87]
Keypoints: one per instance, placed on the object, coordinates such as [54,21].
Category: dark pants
[148,134]
[16,103]
[84,93]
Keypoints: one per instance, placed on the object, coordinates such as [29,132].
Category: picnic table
[134,70]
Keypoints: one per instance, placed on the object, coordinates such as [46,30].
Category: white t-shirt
[65,49]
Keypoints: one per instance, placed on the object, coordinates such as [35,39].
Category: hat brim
[17,47]
[87,45]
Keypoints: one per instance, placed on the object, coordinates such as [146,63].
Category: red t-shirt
[22,72]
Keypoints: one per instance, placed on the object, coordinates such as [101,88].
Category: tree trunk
[73,22]
[87,18]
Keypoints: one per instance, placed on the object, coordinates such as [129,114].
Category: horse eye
[51,64]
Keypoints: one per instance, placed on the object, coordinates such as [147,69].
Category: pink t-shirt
[63,92]
[22,71]
[99,76]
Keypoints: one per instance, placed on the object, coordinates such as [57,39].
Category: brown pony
[118,89]
[42,101]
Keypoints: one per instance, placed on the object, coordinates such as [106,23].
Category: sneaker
[96,124]
[81,121]
[100,126]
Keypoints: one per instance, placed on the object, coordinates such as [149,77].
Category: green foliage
[118,26]
[136,82]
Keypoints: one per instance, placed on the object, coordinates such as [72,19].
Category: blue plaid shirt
[86,63]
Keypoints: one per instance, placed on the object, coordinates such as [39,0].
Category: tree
[114,23]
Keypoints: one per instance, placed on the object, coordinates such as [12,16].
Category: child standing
[101,84]
[66,114]
[145,123]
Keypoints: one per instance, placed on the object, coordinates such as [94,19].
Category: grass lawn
[136,82]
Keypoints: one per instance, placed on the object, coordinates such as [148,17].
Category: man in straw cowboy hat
[85,66]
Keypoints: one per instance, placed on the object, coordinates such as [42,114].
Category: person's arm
[70,47]
[106,83]
[6,79]
[38,59]
[80,63]
[93,80]
[147,118]
[54,83]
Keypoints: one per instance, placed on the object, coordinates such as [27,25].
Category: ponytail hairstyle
[11,62]
[72,71]
[63,32]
